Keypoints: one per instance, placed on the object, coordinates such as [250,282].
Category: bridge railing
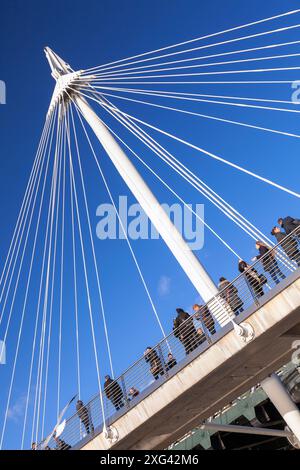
[188,340]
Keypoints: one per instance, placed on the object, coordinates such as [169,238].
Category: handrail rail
[238,281]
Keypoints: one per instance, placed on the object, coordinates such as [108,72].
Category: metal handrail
[134,374]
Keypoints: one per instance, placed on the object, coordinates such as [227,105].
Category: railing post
[203,326]
[162,360]
[256,301]
[127,403]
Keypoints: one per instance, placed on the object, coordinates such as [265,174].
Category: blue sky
[94,34]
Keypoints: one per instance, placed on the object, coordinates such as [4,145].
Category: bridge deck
[213,377]
[208,376]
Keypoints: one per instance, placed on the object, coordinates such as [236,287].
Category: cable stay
[199,100]
[205,152]
[185,94]
[28,209]
[92,244]
[210,56]
[254,23]
[123,228]
[229,210]
[25,303]
[124,74]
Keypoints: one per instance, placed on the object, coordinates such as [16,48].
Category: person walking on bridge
[268,261]
[184,329]
[156,367]
[84,416]
[288,244]
[253,279]
[289,224]
[113,392]
[229,293]
[205,317]
[60,444]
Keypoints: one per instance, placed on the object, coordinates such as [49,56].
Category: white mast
[64,76]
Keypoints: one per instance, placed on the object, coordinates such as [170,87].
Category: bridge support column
[281,399]
[174,240]
[203,283]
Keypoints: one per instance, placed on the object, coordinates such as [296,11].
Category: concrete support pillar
[281,399]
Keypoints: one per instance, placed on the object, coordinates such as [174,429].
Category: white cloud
[164,285]
[17,409]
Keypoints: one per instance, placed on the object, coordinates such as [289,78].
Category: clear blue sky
[93,33]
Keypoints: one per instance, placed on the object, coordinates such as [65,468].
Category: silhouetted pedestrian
[229,293]
[288,244]
[113,392]
[84,416]
[268,261]
[252,277]
[185,331]
[205,317]
[60,444]
[156,367]
[289,224]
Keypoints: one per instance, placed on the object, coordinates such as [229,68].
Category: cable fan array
[35,271]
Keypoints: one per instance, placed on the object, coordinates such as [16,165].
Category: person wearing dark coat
[156,367]
[252,278]
[268,261]
[171,361]
[113,392]
[205,317]
[289,245]
[230,294]
[289,224]
[184,329]
[60,444]
[84,416]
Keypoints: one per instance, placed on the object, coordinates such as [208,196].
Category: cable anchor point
[245,330]
[111,434]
